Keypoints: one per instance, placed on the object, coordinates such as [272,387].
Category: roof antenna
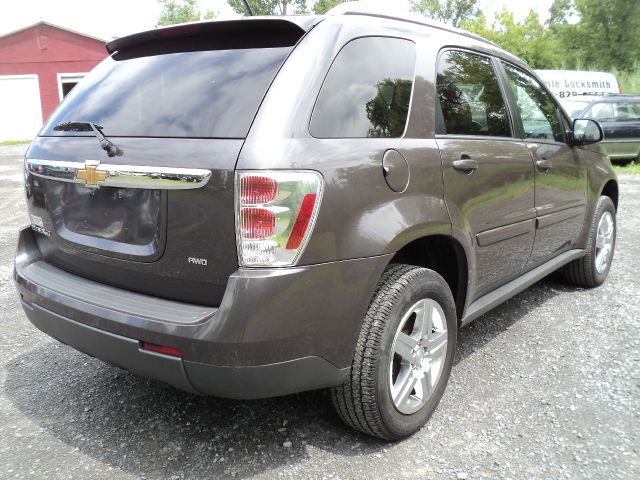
[246,4]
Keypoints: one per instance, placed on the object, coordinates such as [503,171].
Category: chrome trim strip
[122,176]
[495,235]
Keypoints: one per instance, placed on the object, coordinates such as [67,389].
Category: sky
[115,18]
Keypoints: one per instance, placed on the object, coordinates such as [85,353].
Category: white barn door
[20,110]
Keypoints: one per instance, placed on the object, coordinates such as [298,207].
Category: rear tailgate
[157,217]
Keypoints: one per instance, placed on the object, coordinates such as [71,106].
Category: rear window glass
[614,112]
[367,90]
[203,94]
[470,96]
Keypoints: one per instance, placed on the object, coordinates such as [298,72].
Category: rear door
[488,173]
[560,173]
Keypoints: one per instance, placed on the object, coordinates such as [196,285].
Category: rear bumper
[277,331]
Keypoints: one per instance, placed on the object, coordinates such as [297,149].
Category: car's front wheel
[592,269]
[403,356]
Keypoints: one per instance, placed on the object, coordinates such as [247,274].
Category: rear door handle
[466,165]
[544,165]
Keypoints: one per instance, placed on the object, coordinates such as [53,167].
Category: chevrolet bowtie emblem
[90,174]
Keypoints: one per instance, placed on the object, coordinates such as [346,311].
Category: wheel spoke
[424,319]
[407,385]
[425,386]
[601,260]
[609,226]
[437,345]
[600,240]
[403,346]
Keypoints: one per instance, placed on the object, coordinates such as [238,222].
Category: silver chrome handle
[466,165]
[544,164]
[93,174]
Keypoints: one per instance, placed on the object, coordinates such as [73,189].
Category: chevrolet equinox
[264,206]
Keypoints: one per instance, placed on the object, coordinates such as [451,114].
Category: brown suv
[264,206]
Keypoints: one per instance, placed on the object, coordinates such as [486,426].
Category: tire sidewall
[434,287]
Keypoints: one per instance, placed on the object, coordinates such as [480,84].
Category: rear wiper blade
[106,144]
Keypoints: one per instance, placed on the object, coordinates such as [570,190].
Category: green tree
[181,11]
[605,36]
[388,110]
[453,12]
[269,7]
[323,6]
[560,11]
[529,39]
[609,33]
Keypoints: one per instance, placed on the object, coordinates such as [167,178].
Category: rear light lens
[302,221]
[164,349]
[275,214]
[255,189]
[257,223]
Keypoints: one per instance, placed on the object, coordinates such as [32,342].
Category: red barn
[39,65]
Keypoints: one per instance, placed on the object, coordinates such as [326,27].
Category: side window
[600,111]
[613,112]
[470,96]
[367,90]
[626,112]
[536,108]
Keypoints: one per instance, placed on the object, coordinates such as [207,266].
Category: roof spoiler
[275,31]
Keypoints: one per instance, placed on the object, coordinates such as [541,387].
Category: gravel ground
[545,386]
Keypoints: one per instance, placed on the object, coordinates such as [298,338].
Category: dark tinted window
[470,96]
[367,90]
[536,108]
[189,94]
[613,112]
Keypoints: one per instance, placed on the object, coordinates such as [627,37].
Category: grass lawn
[630,168]
[14,142]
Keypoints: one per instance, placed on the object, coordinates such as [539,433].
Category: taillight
[255,189]
[275,213]
[257,223]
[302,221]
[164,349]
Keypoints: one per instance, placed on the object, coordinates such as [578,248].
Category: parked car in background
[258,207]
[572,87]
[576,105]
[619,116]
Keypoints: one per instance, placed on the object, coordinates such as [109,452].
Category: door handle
[544,165]
[466,164]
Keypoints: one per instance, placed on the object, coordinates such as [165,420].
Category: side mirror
[586,131]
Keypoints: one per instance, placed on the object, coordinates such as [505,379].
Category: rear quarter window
[367,91]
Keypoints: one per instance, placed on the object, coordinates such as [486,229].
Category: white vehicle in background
[575,89]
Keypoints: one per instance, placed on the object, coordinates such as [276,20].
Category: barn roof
[42,22]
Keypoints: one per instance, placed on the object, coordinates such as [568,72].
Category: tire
[379,373]
[589,271]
